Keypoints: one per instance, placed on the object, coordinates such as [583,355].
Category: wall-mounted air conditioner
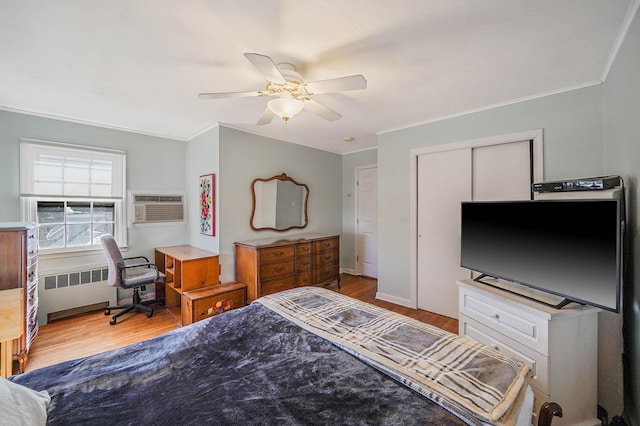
[156,208]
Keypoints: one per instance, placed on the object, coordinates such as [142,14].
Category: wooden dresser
[274,264]
[19,269]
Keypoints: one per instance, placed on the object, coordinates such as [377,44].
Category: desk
[187,268]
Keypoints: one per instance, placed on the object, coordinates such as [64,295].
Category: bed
[304,356]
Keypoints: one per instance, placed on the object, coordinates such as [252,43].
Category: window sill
[46,255]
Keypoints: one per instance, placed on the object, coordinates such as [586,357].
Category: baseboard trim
[53,316]
[393,299]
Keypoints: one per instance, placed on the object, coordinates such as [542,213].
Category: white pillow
[20,405]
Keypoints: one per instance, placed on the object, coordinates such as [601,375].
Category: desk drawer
[538,363]
[196,303]
[276,269]
[278,253]
[513,321]
[279,284]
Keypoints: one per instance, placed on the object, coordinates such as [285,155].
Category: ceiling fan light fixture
[285,107]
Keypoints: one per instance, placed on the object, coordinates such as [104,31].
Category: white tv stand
[560,346]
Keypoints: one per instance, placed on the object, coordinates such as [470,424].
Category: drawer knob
[496,347]
[496,316]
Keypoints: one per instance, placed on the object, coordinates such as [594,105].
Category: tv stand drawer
[538,363]
[506,318]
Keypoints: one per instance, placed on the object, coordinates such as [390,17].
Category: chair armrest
[146,260]
[123,267]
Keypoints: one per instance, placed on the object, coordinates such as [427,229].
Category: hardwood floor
[91,333]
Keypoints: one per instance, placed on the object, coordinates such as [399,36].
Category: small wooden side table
[11,326]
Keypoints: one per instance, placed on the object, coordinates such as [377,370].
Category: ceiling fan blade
[352,82]
[228,95]
[266,66]
[317,108]
[266,117]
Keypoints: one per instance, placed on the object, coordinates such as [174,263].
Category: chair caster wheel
[150,314]
[107,312]
[113,321]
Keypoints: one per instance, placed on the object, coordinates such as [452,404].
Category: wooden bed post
[547,412]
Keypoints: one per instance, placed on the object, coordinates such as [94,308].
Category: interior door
[493,172]
[367,222]
[444,179]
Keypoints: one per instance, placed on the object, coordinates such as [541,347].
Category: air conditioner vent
[157,198]
[155,208]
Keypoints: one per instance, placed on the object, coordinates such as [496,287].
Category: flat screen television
[569,248]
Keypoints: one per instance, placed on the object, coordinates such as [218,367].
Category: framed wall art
[208,204]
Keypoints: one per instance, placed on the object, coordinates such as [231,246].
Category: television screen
[570,248]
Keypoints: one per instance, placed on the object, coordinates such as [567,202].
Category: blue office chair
[131,272]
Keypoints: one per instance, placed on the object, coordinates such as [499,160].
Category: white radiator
[70,289]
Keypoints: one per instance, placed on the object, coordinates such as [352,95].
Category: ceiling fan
[291,93]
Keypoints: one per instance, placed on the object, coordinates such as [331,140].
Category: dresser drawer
[331,243]
[539,398]
[303,278]
[277,253]
[276,269]
[32,325]
[32,275]
[32,242]
[327,273]
[32,296]
[538,363]
[329,257]
[303,263]
[276,285]
[506,318]
[303,249]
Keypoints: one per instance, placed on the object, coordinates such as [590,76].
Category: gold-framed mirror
[279,203]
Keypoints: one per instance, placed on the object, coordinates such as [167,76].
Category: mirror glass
[279,203]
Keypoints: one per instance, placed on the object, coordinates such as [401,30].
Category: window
[74,224]
[74,194]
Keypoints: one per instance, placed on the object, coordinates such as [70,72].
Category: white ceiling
[139,65]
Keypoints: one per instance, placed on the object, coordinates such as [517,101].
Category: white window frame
[30,198]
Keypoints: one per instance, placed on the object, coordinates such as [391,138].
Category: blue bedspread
[249,366]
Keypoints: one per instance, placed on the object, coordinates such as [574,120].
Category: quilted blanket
[248,366]
[468,378]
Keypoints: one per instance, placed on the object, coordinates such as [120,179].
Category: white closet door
[493,172]
[444,179]
[502,172]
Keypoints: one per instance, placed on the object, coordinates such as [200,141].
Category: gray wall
[349,164]
[621,100]
[152,164]
[247,156]
[573,147]
[203,158]
[588,132]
